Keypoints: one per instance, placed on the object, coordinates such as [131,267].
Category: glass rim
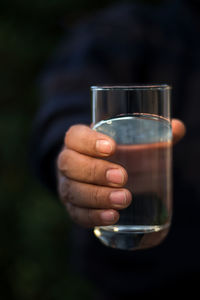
[132,87]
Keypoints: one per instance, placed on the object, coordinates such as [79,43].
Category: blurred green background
[33,225]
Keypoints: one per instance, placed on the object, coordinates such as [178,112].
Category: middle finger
[87,169]
[93,196]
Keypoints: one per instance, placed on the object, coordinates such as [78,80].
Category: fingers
[87,169]
[84,140]
[92,217]
[178,130]
[93,196]
[90,187]
[90,205]
[86,182]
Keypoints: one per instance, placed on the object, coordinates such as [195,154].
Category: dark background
[33,225]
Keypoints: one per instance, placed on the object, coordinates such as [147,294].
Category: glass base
[131,237]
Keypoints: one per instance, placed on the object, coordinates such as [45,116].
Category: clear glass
[138,119]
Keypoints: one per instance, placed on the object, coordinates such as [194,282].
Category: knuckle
[74,130]
[81,216]
[92,170]
[68,134]
[63,161]
[90,218]
[96,197]
[64,191]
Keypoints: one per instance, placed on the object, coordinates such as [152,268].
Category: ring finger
[93,196]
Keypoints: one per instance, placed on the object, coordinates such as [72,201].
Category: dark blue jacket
[131,44]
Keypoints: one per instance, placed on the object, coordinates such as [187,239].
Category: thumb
[178,130]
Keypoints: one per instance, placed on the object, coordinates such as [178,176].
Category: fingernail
[118,197]
[103,146]
[115,176]
[108,216]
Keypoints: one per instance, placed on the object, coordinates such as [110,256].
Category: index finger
[83,139]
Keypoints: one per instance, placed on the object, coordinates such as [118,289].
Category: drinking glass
[137,117]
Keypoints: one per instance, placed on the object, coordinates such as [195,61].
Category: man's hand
[89,186]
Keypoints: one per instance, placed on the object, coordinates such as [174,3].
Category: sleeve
[95,52]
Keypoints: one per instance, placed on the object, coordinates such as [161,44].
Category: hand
[92,188]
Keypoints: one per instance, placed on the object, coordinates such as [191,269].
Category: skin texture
[90,187]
